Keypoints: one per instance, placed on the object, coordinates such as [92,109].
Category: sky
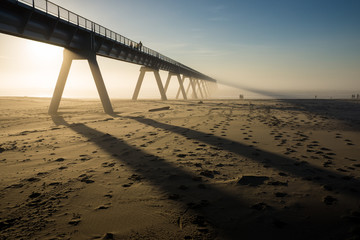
[279,47]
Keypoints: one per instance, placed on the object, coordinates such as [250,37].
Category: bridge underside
[83,39]
[196,85]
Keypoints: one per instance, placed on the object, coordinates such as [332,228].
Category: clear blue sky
[257,44]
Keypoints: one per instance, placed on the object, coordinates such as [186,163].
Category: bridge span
[44,21]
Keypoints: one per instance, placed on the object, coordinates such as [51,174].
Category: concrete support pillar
[193,86]
[181,85]
[100,85]
[207,86]
[188,88]
[138,85]
[143,70]
[160,86]
[178,93]
[69,56]
[204,88]
[179,90]
[60,84]
[167,81]
[198,83]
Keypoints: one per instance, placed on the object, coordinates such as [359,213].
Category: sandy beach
[211,169]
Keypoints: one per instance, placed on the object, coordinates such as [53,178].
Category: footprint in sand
[281,194]
[327,163]
[103,207]
[108,195]
[183,187]
[33,179]
[261,206]
[349,142]
[86,178]
[76,219]
[209,174]
[253,181]
[329,200]
[34,195]
[85,157]
[338,135]
[107,164]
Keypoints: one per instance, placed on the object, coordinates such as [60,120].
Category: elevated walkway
[44,21]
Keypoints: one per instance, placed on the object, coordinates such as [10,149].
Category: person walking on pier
[140,46]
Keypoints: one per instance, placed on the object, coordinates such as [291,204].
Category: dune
[214,169]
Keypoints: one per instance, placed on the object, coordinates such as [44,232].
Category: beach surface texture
[211,169]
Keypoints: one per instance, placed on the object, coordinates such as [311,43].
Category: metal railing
[66,15]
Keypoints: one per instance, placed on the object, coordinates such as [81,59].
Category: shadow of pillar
[230,213]
[222,210]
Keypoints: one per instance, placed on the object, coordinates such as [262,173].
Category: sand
[216,169]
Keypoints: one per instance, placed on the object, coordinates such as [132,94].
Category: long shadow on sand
[231,215]
[346,111]
[340,182]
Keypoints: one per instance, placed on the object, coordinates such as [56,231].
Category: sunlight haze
[258,46]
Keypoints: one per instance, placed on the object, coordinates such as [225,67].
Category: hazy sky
[277,45]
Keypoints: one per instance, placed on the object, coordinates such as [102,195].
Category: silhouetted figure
[140,46]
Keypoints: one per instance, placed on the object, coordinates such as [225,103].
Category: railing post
[46,6]
[33,3]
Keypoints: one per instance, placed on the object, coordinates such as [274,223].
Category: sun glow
[37,66]
[42,51]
